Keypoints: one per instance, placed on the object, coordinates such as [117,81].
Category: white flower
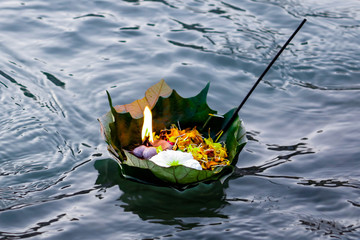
[174,158]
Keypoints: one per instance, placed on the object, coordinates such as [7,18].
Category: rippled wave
[297,176]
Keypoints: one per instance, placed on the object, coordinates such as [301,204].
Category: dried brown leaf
[136,108]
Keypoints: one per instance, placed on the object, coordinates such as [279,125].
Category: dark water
[298,176]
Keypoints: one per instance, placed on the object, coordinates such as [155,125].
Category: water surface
[298,176]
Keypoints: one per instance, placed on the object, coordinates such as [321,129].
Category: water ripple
[23,88]
[54,80]
[331,183]
[297,176]
[33,231]
[90,15]
[329,228]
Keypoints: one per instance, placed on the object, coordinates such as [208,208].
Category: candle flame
[146,132]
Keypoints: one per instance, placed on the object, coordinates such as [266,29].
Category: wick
[146,142]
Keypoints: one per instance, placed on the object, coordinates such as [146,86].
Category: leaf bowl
[121,128]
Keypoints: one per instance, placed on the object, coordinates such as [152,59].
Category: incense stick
[226,127]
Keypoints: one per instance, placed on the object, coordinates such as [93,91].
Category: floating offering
[176,153]
[164,137]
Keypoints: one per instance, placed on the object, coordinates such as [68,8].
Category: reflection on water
[163,204]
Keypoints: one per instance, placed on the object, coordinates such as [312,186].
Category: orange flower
[209,153]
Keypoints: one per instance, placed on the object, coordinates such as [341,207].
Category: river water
[297,177]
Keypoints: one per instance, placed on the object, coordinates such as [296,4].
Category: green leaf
[123,132]
[175,174]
